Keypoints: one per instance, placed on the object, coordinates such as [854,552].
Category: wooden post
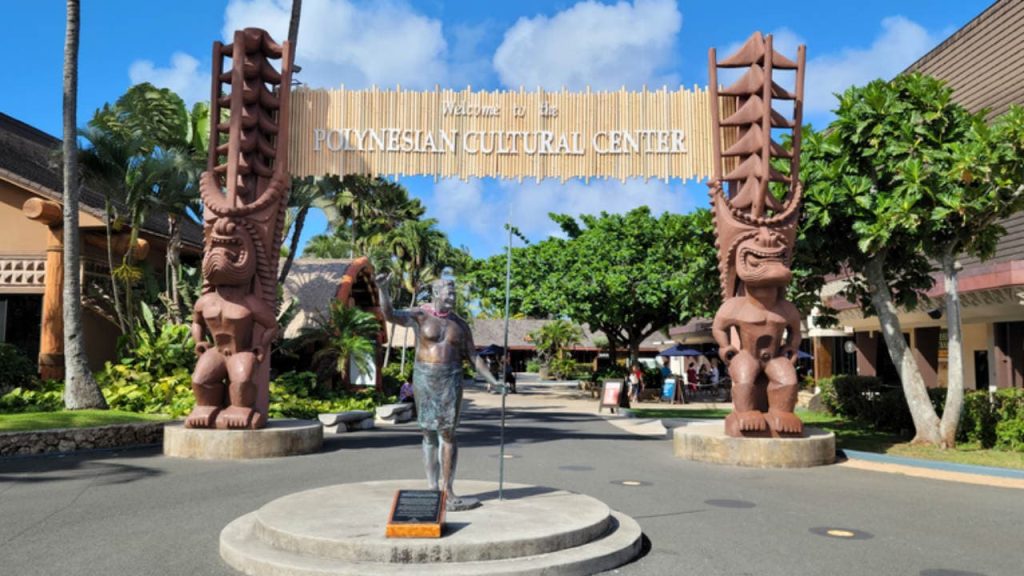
[51,332]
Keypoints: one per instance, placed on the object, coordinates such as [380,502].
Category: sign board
[416,514]
[503,134]
[610,395]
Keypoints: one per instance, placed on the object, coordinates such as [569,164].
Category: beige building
[31,185]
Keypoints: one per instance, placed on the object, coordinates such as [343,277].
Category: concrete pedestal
[279,438]
[707,442]
[341,530]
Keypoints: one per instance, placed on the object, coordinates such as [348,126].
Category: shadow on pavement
[97,465]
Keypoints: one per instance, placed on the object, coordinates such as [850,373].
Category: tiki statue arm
[201,344]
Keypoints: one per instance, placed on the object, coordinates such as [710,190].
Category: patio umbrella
[678,350]
[801,355]
[491,350]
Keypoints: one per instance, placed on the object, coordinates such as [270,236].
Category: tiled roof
[487,332]
[31,155]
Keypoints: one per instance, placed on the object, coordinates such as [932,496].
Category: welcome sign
[507,134]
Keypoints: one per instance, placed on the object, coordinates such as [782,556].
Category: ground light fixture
[632,483]
[841,533]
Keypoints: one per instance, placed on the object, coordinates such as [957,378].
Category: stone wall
[71,439]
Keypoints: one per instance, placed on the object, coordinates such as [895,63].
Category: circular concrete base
[340,530]
[279,438]
[707,442]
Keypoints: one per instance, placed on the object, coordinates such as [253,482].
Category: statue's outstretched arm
[400,317]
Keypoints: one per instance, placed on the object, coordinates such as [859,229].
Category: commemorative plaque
[416,514]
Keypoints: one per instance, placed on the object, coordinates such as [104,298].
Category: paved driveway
[135,512]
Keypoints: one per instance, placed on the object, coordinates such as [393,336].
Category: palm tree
[145,152]
[80,388]
[346,335]
[552,339]
[310,193]
[417,245]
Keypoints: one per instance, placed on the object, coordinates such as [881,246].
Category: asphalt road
[135,512]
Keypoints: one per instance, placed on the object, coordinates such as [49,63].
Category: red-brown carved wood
[756,204]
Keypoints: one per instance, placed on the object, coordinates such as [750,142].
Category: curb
[935,465]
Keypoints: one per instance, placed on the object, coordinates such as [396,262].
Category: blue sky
[487,45]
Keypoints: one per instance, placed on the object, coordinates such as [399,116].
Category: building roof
[28,158]
[488,332]
[982,61]
[315,283]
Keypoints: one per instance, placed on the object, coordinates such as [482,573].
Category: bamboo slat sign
[506,134]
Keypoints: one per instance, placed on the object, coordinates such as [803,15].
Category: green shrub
[16,369]
[1008,404]
[977,420]
[47,396]
[532,366]
[155,377]
[393,377]
[868,399]
[296,395]
[562,368]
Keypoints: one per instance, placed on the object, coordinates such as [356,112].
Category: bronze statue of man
[443,341]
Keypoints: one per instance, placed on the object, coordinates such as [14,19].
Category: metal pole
[504,359]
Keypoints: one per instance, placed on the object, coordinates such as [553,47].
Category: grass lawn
[71,419]
[863,437]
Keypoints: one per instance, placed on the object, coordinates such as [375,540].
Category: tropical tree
[905,174]
[626,275]
[551,341]
[345,336]
[80,388]
[307,193]
[147,137]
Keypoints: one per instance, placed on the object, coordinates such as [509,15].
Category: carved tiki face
[752,251]
[761,259]
[230,255]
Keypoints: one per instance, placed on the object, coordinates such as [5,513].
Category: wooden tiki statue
[244,191]
[756,206]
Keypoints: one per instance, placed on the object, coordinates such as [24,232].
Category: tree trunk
[926,422]
[118,311]
[955,369]
[80,389]
[387,349]
[293,244]
[174,267]
[634,350]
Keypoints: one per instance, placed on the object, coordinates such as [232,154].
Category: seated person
[405,392]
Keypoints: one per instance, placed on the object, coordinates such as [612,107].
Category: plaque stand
[416,514]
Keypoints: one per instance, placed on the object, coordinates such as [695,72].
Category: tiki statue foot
[785,422]
[237,417]
[202,417]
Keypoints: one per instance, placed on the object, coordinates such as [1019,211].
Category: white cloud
[182,76]
[603,46]
[379,43]
[899,45]
[531,201]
